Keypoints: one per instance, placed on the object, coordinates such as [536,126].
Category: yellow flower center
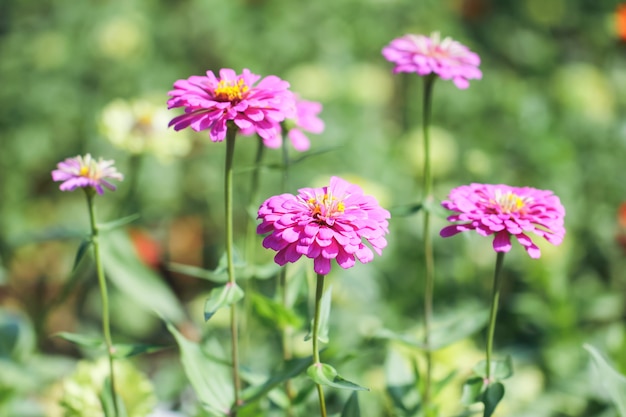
[84,171]
[325,206]
[510,202]
[230,91]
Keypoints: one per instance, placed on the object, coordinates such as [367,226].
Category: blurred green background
[548,113]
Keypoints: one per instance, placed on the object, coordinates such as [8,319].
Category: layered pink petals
[86,172]
[324,224]
[506,211]
[306,120]
[425,55]
[210,102]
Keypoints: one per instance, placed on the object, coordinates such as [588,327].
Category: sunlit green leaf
[222,297]
[500,369]
[274,312]
[115,224]
[613,382]
[324,374]
[351,409]
[210,379]
[106,400]
[402,382]
[491,397]
[82,340]
[140,283]
[472,391]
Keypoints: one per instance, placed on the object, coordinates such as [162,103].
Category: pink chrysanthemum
[506,211]
[424,55]
[324,224]
[86,172]
[210,102]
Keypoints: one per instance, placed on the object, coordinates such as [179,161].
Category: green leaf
[500,369]
[106,400]
[402,382]
[491,397]
[128,350]
[144,286]
[274,312]
[351,408]
[219,277]
[85,244]
[612,381]
[324,374]
[290,370]
[322,334]
[209,378]
[222,297]
[82,340]
[404,211]
[115,224]
[435,208]
[472,391]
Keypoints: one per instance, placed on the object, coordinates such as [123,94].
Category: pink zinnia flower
[306,120]
[324,224]
[86,172]
[210,102]
[506,211]
[424,55]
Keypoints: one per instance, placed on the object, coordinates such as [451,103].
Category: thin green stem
[106,327]
[495,298]
[429,263]
[231,134]
[319,291]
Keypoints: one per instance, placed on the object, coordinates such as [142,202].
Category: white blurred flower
[140,127]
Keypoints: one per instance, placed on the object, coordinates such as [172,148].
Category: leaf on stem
[408,210]
[115,224]
[322,333]
[491,397]
[324,374]
[222,297]
[500,369]
[612,381]
[85,244]
[209,378]
[106,400]
[472,391]
[90,342]
[127,350]
[143,285]
[274,312]
[351,409]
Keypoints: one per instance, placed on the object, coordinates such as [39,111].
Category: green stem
[495,298]
[429,263]
[106,327]
[231,134]
[319,291]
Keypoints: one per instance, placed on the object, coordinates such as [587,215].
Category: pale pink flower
[86,172]
[324,224]
[506,211]
[306,120]
[211,101]
[424,55]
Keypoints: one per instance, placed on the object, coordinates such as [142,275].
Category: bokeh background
[93,76]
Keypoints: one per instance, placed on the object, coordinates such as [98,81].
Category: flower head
[86,172]
[424,55]
[306,120]
[506,211]
[211,101]
[324,224]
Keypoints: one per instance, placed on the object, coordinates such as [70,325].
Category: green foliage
[326,375]
[222,297]
[611,380]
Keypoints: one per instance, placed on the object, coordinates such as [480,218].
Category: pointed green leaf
[408,210]
[324,374]
[322,334]
[274,312]
[612,381]
[472,391]
[82,340]
[134,349]
[351,408]
[85,244]
[219,277]
[133,278]
[222,297]
[290,370]
[491,397]
[500,369]
[210,379]
[114,224]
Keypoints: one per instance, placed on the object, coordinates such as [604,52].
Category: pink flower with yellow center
[506,211]
[324,224]
[86,172]
[424,55]
[210,102]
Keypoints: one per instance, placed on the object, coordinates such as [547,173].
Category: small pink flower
[324,224]
[85,172]
[506,211]
[424,55]
[210,102]
[306,120]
